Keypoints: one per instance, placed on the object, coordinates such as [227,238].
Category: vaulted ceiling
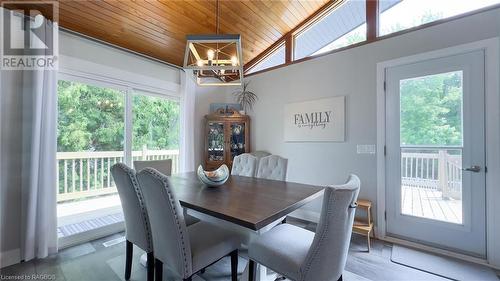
[158,28]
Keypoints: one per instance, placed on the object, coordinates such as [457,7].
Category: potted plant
[245,98]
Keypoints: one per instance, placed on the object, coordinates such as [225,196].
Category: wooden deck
[428,203]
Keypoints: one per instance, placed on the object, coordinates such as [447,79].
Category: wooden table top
[250,202]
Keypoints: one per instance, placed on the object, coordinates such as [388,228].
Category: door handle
[475,169]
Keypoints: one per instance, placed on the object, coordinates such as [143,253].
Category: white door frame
[492,127]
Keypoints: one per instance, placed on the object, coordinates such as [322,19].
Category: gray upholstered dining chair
[244,165]
[301,255]
[259,154]
[137,230]
[272,167]
[185,250]
[163,166]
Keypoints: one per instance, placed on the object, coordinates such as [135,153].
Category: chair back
[162,166]
[272,167]
[244,165]
[134,211]
[327,256]
[259,154]
[170,237]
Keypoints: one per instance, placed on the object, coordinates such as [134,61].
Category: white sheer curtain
[188,88]
[39,186]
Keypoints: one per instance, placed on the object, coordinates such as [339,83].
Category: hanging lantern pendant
[215,58]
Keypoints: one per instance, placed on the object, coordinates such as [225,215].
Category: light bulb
[222,71]
[234,60]
[210,54]
[199,63]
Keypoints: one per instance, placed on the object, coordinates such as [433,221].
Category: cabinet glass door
[215,142]
[238,144]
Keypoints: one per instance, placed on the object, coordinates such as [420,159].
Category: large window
[410,13]
[343,26]
[156,129]
[275,58]
[91,123]
[94,133]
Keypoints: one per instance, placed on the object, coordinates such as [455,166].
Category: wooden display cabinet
[226,136]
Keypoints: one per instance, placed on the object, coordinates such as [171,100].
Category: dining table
[248,206]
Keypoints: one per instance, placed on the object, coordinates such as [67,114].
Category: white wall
[73,46]
[351,73]
[76,55]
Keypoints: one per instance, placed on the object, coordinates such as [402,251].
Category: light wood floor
[427,203]
[93,262]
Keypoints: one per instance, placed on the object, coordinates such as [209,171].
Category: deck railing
[439,171]
[87,174]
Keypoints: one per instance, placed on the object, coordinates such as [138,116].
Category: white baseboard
[307,215]
[83,237]
[9,258]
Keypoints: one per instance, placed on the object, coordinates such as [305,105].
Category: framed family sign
[321,120]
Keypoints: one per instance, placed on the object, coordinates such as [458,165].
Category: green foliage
[431,110]
[245,97]
[92,119]
[426,17]
[156,123]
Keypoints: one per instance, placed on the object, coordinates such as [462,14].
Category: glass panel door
[238,145]
[216,144]
[156,129]
[90,141]
[431,146]
[435,178]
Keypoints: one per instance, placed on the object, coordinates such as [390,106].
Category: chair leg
[187,279]
[151,266]
[158,270]
[251,270]
[234,265]
[129,248]
[340,278]
[368,240]
[202,271]
[284,220]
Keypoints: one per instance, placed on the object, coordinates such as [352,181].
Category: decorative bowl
[213,178]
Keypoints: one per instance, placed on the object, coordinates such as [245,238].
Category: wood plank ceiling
[158,28]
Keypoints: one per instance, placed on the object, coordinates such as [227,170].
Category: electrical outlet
[365,149]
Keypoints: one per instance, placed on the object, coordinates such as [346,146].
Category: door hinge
[385,86]
[385,150]
[385,215]
[485,169]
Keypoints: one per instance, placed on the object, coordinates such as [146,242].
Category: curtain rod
[118,47]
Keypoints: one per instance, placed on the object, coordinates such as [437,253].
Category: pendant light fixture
[216,59]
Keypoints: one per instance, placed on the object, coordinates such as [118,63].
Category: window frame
[372,32]
[128,92]
[268,53]
[330,8]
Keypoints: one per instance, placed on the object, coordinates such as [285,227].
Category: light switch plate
[365,149]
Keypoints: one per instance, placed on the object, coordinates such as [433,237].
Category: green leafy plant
[245,97]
